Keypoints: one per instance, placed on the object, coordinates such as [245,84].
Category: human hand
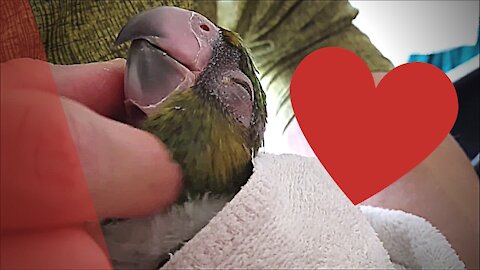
[53,149]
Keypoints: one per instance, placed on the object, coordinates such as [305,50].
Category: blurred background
[400,29]
[442,33]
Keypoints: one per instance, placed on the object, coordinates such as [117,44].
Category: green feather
[211,148]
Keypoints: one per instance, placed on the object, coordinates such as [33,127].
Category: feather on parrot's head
[176,50]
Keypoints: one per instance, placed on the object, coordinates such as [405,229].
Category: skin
[128,171]
[143,169]
[443,189]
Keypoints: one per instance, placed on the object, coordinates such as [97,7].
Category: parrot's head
[194,85]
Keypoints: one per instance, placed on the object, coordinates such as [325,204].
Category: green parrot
[194,85]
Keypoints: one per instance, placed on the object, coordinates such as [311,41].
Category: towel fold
[411,241]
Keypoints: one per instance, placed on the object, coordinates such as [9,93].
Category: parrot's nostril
[205,27]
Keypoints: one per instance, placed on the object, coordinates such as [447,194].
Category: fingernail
[117,61]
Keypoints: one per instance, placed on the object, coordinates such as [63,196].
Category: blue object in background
[449,59]
[467,126]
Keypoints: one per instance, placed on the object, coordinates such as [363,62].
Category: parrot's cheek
[151,75]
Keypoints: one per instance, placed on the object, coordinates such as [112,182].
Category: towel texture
[291,214]
[411,241]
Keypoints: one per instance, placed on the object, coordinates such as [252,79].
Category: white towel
[291,214]
[411,241]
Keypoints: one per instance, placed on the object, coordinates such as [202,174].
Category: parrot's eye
[243,84]
[236,96]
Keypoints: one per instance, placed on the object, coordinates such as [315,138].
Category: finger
[129,172]
[26,74]
[42,182]
[98,86]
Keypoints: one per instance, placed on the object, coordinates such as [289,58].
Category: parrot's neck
[212,149]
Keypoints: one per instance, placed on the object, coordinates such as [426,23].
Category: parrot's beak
[170,48]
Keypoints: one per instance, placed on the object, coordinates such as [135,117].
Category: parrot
[194,85]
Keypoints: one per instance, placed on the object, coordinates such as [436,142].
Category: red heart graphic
[368,137]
